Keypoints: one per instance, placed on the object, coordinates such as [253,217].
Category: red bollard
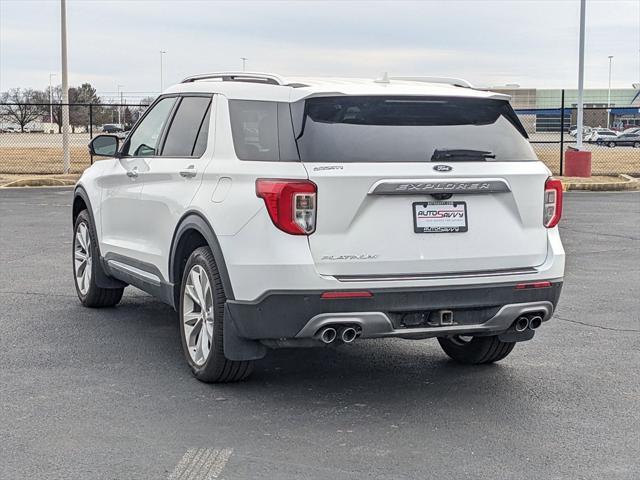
[577,163]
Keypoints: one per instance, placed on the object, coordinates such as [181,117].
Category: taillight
[552,202]
[291,204]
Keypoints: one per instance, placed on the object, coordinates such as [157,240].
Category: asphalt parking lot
[106,394]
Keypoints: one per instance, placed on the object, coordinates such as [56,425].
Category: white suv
[274,212]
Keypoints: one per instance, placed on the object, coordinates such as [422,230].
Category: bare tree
[133,112]
[18,106]
[146,101]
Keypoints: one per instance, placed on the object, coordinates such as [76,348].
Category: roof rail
[237,77]
[456,82]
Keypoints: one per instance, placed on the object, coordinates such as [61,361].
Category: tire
[475,350]
[201,328]
[636,144]
[85,271]
[611,144]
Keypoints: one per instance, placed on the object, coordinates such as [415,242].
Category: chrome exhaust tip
[328,335]
[535,322]
[348,334]
[521,324]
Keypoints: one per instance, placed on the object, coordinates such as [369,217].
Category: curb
[39,182]
[629,184]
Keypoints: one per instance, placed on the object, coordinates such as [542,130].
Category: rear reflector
[523,286]
[332,295]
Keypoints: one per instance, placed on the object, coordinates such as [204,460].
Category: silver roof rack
[266,78]
[456,82]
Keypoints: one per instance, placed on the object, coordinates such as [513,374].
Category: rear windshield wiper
[461,155]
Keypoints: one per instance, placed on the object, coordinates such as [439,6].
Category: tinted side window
[254,126]
[181,138]
[263,131]
[144,139]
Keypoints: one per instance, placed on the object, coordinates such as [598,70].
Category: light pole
[51,97]
[244,62]
[609,93]
[580,119]
[120,106]
[66,155]
[162,52]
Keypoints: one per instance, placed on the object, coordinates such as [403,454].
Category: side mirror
[104,146]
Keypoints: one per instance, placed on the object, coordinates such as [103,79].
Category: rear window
[407,129]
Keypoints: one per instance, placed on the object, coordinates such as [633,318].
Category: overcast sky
[490,43]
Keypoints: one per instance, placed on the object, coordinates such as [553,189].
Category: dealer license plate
[440,217]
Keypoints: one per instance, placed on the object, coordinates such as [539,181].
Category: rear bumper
[283,318]
[284,264]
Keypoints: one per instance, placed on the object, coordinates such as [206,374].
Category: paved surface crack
[39,294]
[68,295]
[576,230]
[613,329]
[613,250]
[25,204]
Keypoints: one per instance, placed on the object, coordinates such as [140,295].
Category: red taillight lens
[291,204]
[552,202]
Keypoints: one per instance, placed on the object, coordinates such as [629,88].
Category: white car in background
[586,132]
[602,135]
[631,130]
[306,212]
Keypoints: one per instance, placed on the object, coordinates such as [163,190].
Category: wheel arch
[193,231]
[81,202]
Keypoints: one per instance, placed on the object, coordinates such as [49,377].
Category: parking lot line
[201,464]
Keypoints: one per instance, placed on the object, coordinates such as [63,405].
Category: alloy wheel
[82,260]
[197,315]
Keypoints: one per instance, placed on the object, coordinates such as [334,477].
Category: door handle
[133,173]
[189,172]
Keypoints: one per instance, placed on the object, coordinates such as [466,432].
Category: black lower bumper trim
[279,315]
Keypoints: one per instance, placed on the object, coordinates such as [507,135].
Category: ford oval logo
[442,168]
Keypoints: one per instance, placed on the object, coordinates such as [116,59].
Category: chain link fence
[550,118]
[31,134]
[553,131]
[31,140]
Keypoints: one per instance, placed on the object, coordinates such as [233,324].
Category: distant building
[540,109]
